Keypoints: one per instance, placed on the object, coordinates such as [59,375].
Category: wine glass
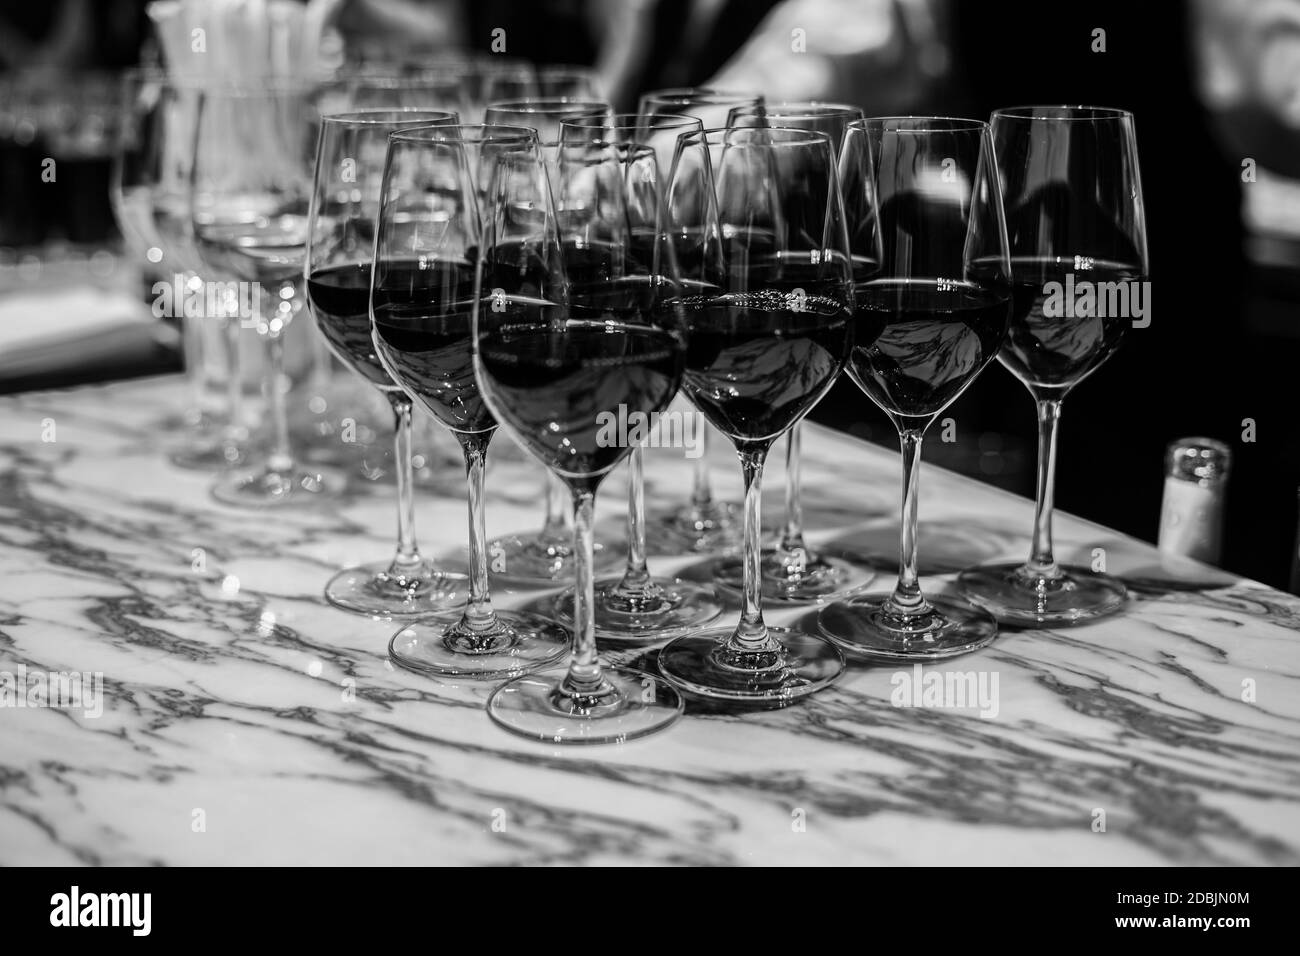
[422,295]
[933,298]
[793,572]
[705,525]
[252,184]
[551,375]
[769,315]
[340,245]
[545,558]
[1077,228]
[619,262]
[150,190]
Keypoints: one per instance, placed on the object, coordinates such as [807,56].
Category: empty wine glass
[793,572]
[1077,229]
[150,191]
[550,375]
[423,291]
[341,235]
[932,301]
[252,185]
[619,263]
[769,315]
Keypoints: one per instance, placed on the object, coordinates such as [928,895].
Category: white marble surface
[276,723]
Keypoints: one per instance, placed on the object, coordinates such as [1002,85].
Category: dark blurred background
[1212,84]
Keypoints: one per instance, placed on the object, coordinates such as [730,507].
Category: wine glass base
[822,579]
[700,664]
[866,627]
[534,562]
[680,606]
[375,590]
[439,647]
[1017,597]
[715,530]
[267,488]
[207,456]
[632,704]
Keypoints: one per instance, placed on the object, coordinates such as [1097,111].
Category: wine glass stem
[556,529]
[792,536]
[408,553]
[478,615]
[585,673]
[1042,563]
[701,492]
[751,633]
[196,370]
[280,458]
[234,432]
[636,576]
[907,597]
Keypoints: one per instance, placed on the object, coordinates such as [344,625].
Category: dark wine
[558,384]
[1048,342]
[921,342]
[423,332]
[608,281]
[340,301]
[759,361]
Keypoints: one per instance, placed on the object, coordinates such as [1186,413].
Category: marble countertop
[245,721]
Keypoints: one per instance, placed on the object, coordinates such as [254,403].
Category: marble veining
[245,721]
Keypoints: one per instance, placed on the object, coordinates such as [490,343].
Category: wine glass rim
[701,96]
[547,104]
[406,79]
[483,132]
[799,109]
[926,124]
[364,69]
[248,85]
[785,135]
[630,121]
[253,87]
[386,117]
[1063,112]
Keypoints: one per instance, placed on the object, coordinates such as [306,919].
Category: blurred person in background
[66,35]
